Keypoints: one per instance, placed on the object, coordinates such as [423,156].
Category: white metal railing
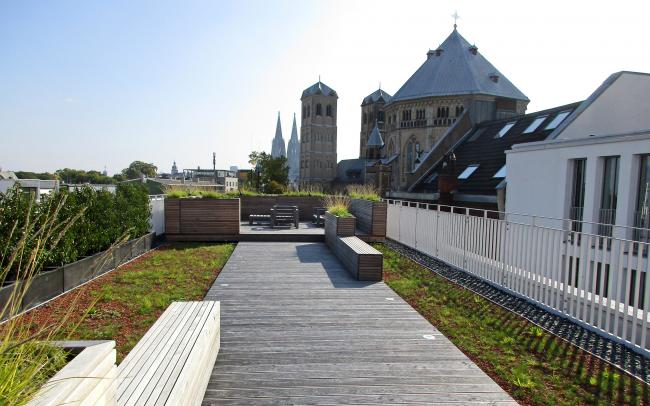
[157,219]
[597,281]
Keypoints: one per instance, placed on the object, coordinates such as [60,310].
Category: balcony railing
[642,224]
[606,220]
[597,281]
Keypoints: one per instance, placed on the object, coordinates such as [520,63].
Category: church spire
[293,154]
[278,148]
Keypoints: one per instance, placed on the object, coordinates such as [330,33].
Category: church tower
[293,155]
[318,135]
[277,149]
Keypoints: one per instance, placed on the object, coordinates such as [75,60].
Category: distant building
[233,168]
[278,149]
[174,173]
[222,180]
[454,89]
[36,186]
[293,155]
[318,135]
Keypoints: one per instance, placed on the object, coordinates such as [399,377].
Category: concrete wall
[540,176]
[621,108]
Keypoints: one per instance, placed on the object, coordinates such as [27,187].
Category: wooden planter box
[262,205]
[339,226]
[199,219]
[371,216]
[89,378]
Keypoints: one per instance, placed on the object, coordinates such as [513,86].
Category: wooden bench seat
[284,215]
[171,364]
[364,262]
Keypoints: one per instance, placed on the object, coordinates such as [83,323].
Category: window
[505,129]
[432,178]
[609,196]
[319,109]
[533,126]
[501,173]
[328,110]
[641,218]
[304,112]
[380,115]
[578,193]
[557,120]
[459,110]
[406,115]
[419,114]
[412,153]
[308,110]
[468,172]
[365,118]
[443,112]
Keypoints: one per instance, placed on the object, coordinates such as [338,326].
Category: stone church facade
[453,83]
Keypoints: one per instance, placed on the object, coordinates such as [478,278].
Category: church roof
[376,96]
[277,148]
[457,68]
[375,139]
[319,88]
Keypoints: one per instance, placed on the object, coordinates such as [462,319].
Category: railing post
[437,228]
[415,228]
[465,239]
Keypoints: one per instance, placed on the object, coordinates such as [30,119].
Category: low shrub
[338,205]
[365,192]
[102,218]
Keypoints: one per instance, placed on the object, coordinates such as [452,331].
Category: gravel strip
[609,351]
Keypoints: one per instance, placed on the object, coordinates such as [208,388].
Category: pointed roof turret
[455,68]
[294,130]
[375,140]
[319,88]
[376,96]
[293,153]
[278,148]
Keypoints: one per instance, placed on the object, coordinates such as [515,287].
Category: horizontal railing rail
[597,281]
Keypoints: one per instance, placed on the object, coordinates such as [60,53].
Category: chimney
[473,50]
[494,77]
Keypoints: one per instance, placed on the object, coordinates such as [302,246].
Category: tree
[80,176]
[272,174]
[139,168]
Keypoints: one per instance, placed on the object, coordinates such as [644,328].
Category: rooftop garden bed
[533,366]
[363,192]
[125,303]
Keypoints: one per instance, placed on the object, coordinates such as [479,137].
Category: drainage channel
[609,351]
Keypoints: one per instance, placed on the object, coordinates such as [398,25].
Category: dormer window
[557,120]
[494,77]
[533,126]
[468,171]
[505,129]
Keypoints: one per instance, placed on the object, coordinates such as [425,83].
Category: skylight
[557,120]
[476,134]
[501,173]
[432,178]
[505,129]
[533,126]
[468,172]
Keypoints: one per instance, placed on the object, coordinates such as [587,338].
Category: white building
[595,166]
[37,186]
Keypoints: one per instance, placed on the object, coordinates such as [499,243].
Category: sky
[88,84]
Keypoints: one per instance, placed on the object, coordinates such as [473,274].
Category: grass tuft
[338,205]
[365,192]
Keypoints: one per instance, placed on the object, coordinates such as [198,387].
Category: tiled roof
[482,146]
[376,96]
[456,68]
[319,88]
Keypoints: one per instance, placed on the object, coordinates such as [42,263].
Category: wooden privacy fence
[597,281]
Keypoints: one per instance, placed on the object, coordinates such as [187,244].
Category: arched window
[319,109]
[308,110]
[328,110]
[380,115]
[365,118]
[412,154]
[304,112]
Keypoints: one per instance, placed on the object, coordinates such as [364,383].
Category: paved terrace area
[296,329]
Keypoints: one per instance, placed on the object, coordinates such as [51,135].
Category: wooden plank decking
[297,329]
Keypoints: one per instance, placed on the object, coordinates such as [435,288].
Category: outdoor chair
[284,215]
[318,216]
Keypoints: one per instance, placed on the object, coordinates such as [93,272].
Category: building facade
[318,136]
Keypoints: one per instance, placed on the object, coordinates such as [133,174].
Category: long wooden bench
[171,364]
[360,259]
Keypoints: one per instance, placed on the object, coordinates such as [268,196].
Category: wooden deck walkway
[297,329]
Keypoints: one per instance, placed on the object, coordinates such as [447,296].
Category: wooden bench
[284,215]
[259,219]
[363,261]
[172,363]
